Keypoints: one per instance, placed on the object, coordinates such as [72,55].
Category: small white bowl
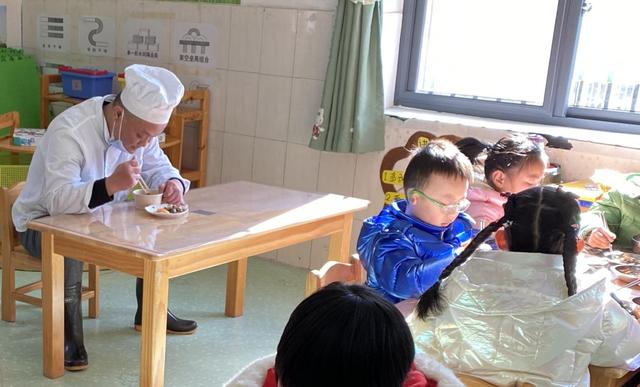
[145,199]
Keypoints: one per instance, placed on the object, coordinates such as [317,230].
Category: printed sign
[52,33]
[193,44]
[96,35]
[390,197]
[145,39]
[392,177]
[422,141]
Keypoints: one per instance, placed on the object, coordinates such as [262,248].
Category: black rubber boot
[75,356]
[175,325]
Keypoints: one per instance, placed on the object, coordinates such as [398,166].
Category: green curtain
[351,116]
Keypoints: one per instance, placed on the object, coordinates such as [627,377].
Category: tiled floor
[219,348]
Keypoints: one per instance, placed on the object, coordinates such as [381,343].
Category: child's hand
[601,238]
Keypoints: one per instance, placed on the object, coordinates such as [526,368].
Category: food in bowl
[171,209]
[143,199]
[628,258]
[627,272]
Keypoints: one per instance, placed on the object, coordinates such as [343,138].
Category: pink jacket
[486,205]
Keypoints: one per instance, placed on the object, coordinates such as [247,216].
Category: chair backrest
[472,381]
[9,120]
[8,232]
[333,271]
[391,177]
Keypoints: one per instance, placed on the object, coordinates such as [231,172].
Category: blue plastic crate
[81,83]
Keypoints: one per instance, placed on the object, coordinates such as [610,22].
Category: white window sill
[626,140]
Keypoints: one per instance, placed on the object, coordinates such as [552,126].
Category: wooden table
[227,223]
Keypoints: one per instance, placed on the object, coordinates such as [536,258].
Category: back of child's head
[344,335]
[511,153]
[437,157]
[537,220]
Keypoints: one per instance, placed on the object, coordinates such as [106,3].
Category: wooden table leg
[8,286]
[236,279]
[154,323]
[94,283]
[52,309]
[339,242]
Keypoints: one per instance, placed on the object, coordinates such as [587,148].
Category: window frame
[554,110]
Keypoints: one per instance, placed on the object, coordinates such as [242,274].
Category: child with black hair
[514,163]
[405,248]
[345,335]
[521,315]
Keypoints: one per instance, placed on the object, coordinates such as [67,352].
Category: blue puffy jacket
[404,256]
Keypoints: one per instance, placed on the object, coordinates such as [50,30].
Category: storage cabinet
[193,110]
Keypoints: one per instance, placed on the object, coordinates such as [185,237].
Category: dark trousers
[32,242]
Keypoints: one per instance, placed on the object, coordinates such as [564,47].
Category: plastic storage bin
[86,83]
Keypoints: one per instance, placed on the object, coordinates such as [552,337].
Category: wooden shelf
[59,97]
[193,107]
[190,174]
[169,142]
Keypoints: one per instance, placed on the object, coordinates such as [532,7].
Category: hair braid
[569,254]
[431,301]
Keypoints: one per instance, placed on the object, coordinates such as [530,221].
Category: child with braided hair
[512,164]
[522,315]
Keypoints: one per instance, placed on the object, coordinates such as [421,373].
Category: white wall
[3,23]
[13,26]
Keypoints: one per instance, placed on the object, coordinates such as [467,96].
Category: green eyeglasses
[454,208]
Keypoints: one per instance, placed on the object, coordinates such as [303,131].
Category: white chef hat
[151,93]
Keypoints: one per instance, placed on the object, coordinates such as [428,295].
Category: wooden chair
[9,120]
[472,381]
[333,271]
[609,376]
[14,255]
[391,177]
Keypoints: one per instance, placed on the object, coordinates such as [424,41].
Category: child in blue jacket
[406,247]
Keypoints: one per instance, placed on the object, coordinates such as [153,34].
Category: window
[559,62]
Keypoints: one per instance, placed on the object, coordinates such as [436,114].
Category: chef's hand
[601,238]
[124,177]
[172,192]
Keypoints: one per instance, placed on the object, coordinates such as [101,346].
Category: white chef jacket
[509,319]
[75,152]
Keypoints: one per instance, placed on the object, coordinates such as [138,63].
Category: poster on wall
[146,39]
[53,33]
[193,44]
[96,35]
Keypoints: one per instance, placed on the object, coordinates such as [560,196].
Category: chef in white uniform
[91,155]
